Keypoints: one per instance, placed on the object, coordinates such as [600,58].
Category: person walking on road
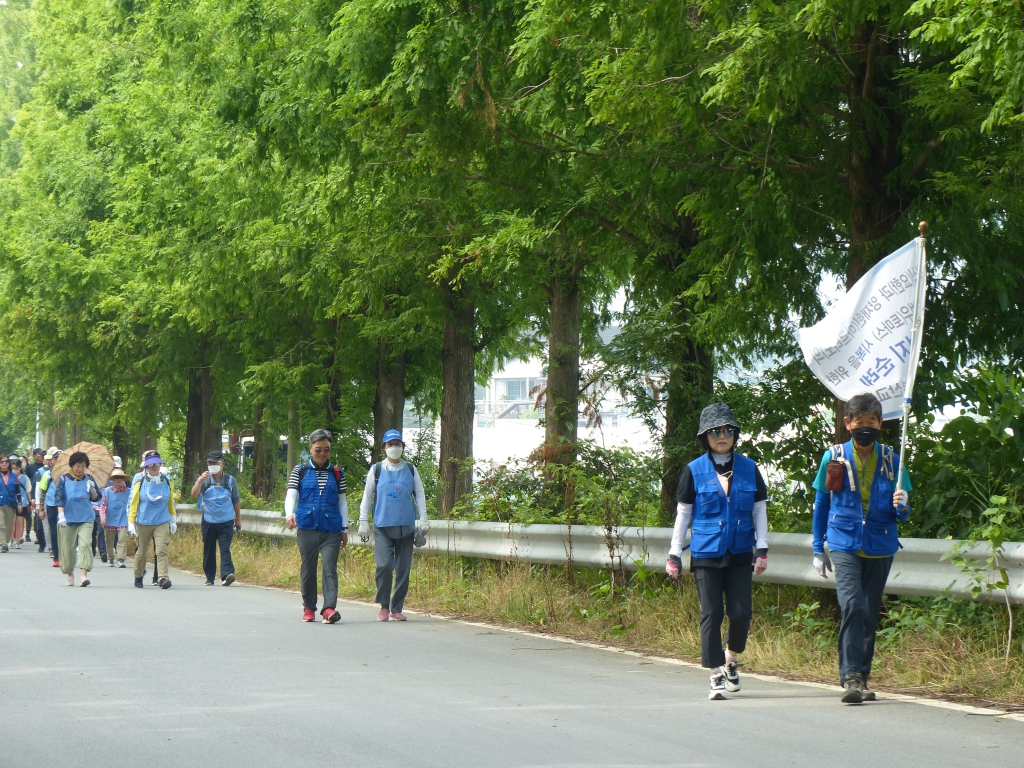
[856,511]
[23,515]
[35,472]
[114,501]
[10,494]
[76,491]
[723,497]
[394,491]
[151,517]
[46,502]
[316,504]
[221,505]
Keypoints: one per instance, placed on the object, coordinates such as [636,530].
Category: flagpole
[915,354]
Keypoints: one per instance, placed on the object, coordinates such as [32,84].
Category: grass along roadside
[937,647]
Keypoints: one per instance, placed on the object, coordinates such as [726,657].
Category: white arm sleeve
[684,516]
[761,524]
[39,495]
[291,501]
[343,503]
[421,498]
[368,491]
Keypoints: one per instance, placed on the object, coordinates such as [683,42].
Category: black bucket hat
[215,456]
[716,415]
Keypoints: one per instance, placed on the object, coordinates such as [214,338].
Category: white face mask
[394,452]
[214,468]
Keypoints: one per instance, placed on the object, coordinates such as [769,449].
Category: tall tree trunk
[265,448]
[293,434]
[458,371]
[689,388]
[76,429]
[332,397]
[389,402]
[194,453]
[60,429]
[561,407]
[212,436]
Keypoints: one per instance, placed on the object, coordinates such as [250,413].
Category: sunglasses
[723,432]
[321,451]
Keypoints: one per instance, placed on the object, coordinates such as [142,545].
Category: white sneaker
[732,676]
[717,692]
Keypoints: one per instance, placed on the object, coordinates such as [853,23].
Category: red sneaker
[398,616]
[383,614]
[308,614]
[56,563]
[331,616]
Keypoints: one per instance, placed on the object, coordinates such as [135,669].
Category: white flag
[870,340]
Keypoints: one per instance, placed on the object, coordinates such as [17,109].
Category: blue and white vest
[850,528]
[319,510]
[117,507]
[723,523]
[394,502]
[9,490]
[77,504]
[215,501]
[154,498]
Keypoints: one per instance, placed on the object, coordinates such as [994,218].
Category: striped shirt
[321,476]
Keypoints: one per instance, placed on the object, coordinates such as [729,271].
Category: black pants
[860,586]
[392,551]
[40,529]
[734,583]
[98,539]
[325,546]
[51,519]
[214,535]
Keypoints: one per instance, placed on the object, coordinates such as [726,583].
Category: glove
[420,538]
[423,525]
[900,499]
[760,565]
[174,527]
[91,486]
[131,530]
[821,563]
[61,520]
[364,531]
[673,567]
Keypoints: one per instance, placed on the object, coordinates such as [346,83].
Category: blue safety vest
[9,490]
[50,497]
[117,507]
[850,528]
[318,509]
[153,500]
[723,523]
[215,501]
[394,503]
[77,504]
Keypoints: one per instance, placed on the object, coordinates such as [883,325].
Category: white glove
[364,531]
[423,526]
[92,487]
[131,530]
[174,526]
[900,499]
[61,520]
[821,563]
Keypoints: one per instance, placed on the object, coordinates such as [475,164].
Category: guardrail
[918,568]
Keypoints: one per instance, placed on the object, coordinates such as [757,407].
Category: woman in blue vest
[10,490]
[151,517]
[316,504]
[76,491]
[221,505]
[856,510]
[114,516]
[46,502]
[723,497]
[394,491]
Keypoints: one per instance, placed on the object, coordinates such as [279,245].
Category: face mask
[214,468]
[394,452]
[865,436]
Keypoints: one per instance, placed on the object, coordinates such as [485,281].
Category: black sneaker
[228,580]
[854,693]
[165,583]
[869,695]
[138,583]
[732,676]
[103,557]
[717,692]
[209,583]
[3,548]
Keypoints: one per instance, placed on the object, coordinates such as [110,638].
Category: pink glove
[760,565]
[673,567]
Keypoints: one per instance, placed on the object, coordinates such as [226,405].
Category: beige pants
[75,539]
[160,535]
[116,547]
[6,525]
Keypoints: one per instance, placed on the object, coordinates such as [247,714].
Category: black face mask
[865,436]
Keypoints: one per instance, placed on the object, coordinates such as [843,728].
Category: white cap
[117,462]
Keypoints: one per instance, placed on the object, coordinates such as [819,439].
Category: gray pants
[392,550]
[860,586]
[325,546]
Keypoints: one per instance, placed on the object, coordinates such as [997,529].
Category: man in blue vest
[394,491]
[218,500]
[46,502]
[316,504]
[76,491]
[856,510]
[35,472]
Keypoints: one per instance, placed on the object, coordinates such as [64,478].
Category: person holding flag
[856,510]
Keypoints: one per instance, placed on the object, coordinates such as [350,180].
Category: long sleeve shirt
[133,502]
[60,496]
[370,490]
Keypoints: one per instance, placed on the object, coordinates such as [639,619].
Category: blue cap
[151,460]
[392,434]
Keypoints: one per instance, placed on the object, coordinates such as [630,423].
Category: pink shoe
[398,617]
[383,614]
[308,614]
[331,616]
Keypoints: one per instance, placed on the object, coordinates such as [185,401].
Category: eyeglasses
[321,451]
[722,432]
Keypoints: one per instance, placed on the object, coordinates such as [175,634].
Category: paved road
[213,676]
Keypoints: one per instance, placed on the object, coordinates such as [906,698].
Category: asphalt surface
[215,676]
